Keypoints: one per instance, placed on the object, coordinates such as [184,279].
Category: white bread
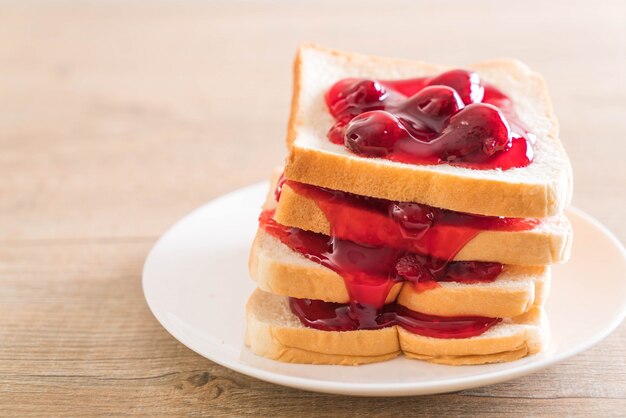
[510,340]
[516,291]
[274,332]
[548,243]
[279,270]
[542,189]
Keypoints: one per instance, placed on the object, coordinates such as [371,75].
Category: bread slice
[510,340]
[516,291]
[542,189]
[279,270]
[274,332]
[548,243]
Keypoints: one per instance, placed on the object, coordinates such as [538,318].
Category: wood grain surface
[117,118]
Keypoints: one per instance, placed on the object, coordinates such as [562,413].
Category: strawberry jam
[328,316]
[370,272]
[367,271]
[376,243]
[453,118]
[409,226]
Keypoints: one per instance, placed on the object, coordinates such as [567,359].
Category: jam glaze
[375,243]
[329,316]
[413,227]
[369,274]
[452,118]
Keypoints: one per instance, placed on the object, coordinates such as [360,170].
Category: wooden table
[118,118]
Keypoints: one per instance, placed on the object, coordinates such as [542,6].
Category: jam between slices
[452,118]
[366,270]
[375,243]
[328,316]
[369,274]
[413,227]
[370,271]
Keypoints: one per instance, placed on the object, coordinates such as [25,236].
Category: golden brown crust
[423,184]
[540,246]
[473,359]
[360,176]
[295,99]
[482,300]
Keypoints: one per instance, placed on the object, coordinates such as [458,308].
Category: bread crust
[472,359]
[290,342]
[301,280]
[541,246]
[529,335]
[490,195]
[280,271]
[298,344]
[360,176]
[530,289]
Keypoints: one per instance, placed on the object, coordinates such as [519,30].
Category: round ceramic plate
[196,283]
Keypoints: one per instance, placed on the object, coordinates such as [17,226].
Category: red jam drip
[328,316]
[412,227]
[370,272]
[452,118]
[279,186]
[375,243]
[365,269]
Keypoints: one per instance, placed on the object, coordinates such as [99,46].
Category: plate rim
[382,389]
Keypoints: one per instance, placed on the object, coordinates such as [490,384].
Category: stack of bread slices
[344,279]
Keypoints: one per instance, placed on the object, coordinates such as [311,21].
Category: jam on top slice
[452,118]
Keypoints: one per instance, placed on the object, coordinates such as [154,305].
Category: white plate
[196,283]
